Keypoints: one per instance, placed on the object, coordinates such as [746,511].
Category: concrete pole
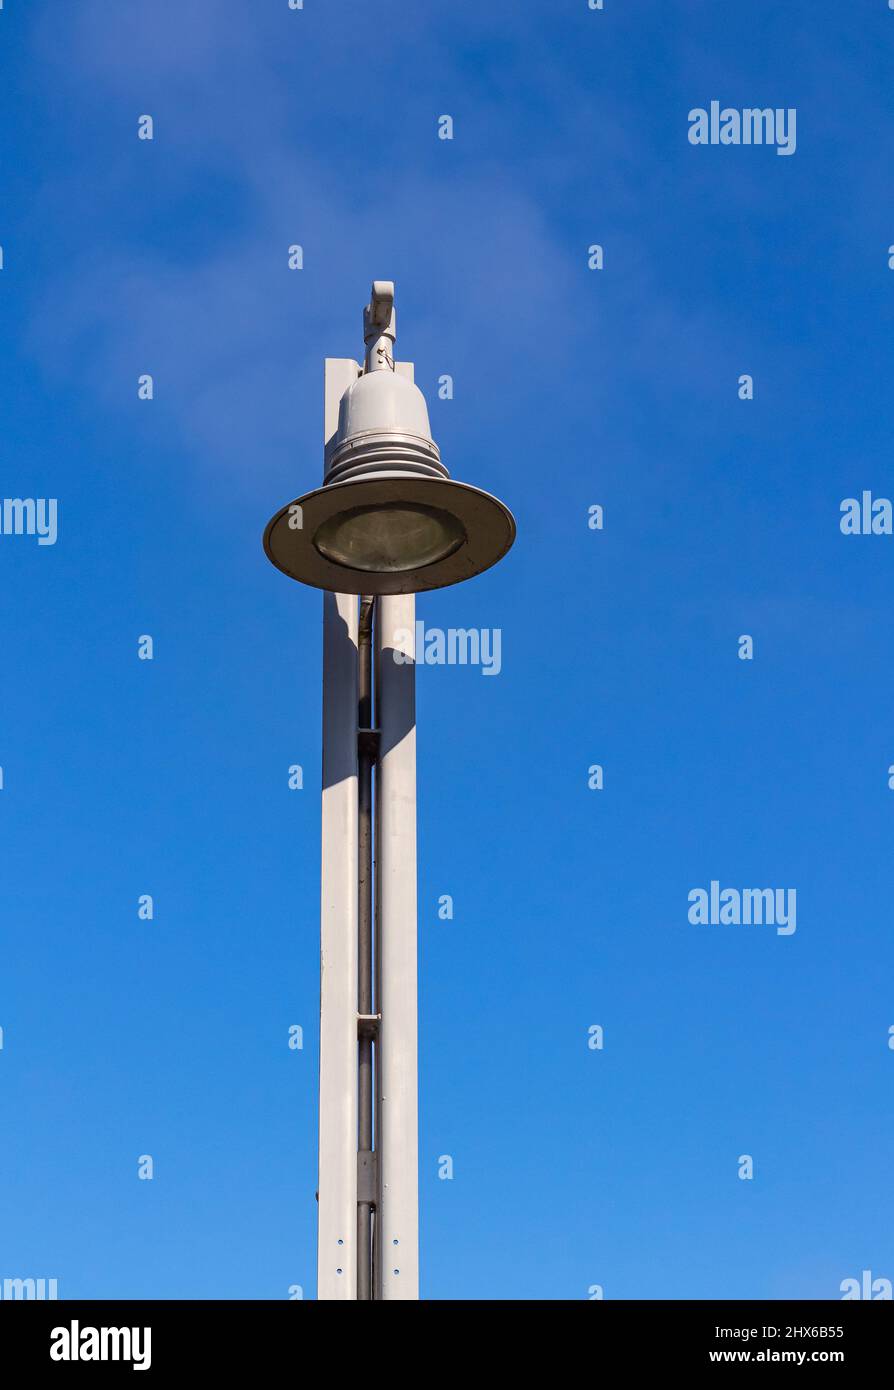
[339,904]
[344,1228]
[337,1242]
[397,1142]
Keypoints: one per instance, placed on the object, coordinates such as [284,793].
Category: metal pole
[397,1215]
[365,951]
[337,1243]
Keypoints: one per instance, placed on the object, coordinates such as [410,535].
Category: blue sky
[573,388]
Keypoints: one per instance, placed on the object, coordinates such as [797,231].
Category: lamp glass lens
[388,538]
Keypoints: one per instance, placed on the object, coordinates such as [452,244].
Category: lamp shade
[388,519]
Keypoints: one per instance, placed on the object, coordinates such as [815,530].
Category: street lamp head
[388,519]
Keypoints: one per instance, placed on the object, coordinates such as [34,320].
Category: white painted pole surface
[339,899]
[397,1142]
[337,1240]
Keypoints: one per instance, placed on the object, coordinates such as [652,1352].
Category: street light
[388,519]
[387,523]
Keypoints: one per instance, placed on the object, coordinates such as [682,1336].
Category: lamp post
[388,522]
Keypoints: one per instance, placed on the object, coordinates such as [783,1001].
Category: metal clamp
[367,1189]
[368,743]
